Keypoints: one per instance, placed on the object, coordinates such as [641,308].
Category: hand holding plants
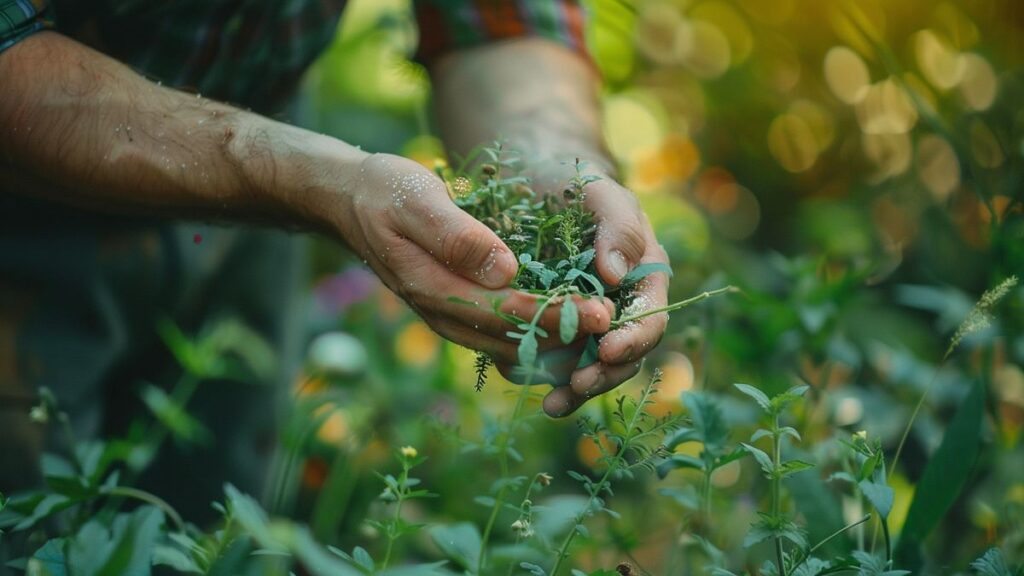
[623,241]
[398,216]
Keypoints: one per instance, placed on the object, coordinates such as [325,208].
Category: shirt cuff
[21,18]
[447,25]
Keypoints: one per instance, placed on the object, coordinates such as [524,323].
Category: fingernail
[617,263]
[494,272]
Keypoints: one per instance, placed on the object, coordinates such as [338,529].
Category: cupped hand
[624,240]
[398,217]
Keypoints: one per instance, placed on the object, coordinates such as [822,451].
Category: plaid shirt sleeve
[19,18]
[447,25]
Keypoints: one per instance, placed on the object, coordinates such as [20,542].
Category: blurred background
[854,167]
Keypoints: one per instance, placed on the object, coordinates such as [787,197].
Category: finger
[502,352]
[432,286]
[637,338]
[594,379]
[594,314]
[599,378]
[427,216]
[620,241]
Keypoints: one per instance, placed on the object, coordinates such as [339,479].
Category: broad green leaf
[49,559]
[136,535]
[527,351]
[760,397]
[460,542]
[880,496]
[762,457]
[90,549]
[569,321]
[944,477]
[363,558]
[708,420]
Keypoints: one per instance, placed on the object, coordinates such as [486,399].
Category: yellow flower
[409,452]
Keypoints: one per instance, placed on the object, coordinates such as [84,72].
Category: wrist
[293,174]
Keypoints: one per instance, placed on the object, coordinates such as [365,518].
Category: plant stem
[613,466]
[828,539]
[563,550]
[706,497]
[400,496]
[499,498]
[776,490]
[149,498]
[619,323]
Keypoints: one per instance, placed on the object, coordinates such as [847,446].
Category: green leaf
[677,461]
[880,496]
[594,282]
[460,542]
[569,321]
[642,271]
[463,301]
[708,420]
[527,351]
[871,565]
[730,457]
[760,397]
[49,558]
[944,477]
[789,396]
[363,559]
[762,458]
[991,563]
[174,558]
[793,466]
[172,415]
[90,549]
[590,352]
[533,569]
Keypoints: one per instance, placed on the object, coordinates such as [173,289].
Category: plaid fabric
[447,25]
[19,18]
[252,52]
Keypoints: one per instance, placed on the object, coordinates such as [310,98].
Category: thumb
[619,242]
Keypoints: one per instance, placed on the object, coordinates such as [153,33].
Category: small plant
[709,428]
[865,469]
[633,443]
[397,491]
[775,525]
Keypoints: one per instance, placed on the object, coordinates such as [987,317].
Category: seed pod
[523,190]
[489,169]
[624,569]
[492,223]
[569,194]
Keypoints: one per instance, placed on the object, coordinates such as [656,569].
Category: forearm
[538,96]
[81,128]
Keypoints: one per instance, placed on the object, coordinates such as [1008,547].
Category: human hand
[624,240]
[397,215]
